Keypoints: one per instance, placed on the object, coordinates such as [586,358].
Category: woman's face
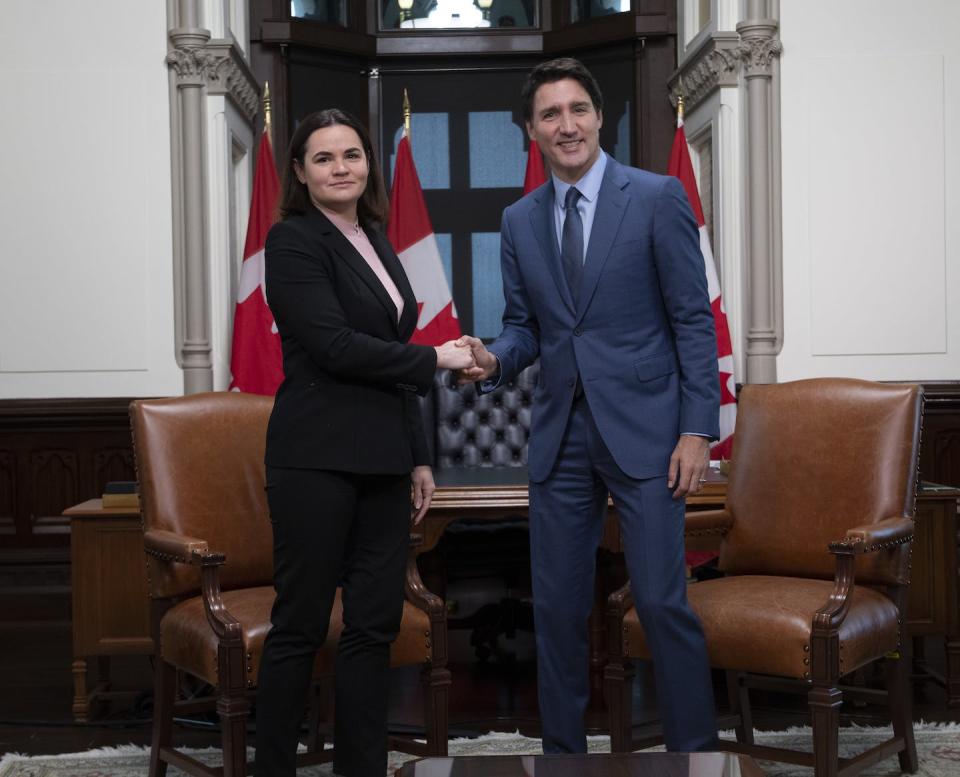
[334,169]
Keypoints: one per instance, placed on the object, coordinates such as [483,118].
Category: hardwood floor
[500,694]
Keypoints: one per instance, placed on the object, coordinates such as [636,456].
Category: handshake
[468,357]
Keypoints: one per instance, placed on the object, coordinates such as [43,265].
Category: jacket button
[571,382]
[577,331]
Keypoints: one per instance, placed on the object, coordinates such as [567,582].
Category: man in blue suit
[605,282]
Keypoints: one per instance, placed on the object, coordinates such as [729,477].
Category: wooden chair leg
[618,682]
[164,691]
[900,695]
[233,709]
[824,703]
[739,697]
[435,682]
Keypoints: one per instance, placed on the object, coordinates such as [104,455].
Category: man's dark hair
[294,197]
[557,70]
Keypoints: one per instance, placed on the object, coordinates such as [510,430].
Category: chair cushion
[188,643]
[762,624]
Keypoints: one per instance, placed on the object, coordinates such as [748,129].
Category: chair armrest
[859,541]
[887,533]
[618,605]
[707,522]
[168,546]
[424,599]
[621,600]
[416,592]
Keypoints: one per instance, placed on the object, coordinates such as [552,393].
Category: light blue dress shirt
[589,188]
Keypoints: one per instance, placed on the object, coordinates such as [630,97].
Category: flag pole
[267,124]
[406,114]
[680,104]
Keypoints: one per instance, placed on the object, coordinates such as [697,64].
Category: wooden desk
[109,592]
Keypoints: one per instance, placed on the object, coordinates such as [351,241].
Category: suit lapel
[611,207]
[408,319]
[335,239]
[545,229]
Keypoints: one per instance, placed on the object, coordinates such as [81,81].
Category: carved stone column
[199,67]
[188,62]
[759,46]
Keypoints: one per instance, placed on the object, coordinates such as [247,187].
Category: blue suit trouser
[567,512]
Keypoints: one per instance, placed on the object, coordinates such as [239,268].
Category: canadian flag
[411,235]
[256,362]
[681,167]
[535,175]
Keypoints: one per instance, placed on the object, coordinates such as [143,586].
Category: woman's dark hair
[557,70]
[294,198]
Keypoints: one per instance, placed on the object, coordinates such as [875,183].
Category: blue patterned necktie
[571,243]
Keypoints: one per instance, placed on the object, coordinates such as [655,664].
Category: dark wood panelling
[53,454]
[8,492]
[112,464]
[323,36]
[940,449]
[54,479]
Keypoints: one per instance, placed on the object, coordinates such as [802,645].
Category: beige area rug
[938,747]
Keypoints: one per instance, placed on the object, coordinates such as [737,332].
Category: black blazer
[348,401]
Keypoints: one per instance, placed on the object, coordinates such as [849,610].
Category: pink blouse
[359,240]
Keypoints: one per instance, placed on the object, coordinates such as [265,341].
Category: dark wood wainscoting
[940,450]
[55,453]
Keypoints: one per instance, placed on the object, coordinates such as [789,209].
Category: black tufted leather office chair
[471,430]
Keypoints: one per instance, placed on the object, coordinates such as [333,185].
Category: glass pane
[453,14]
[591,9]
[329,11]
[487,285]
[497,157]
[430,144]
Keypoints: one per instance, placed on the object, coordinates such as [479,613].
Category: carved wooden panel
[8,492]
[940,446]
[55,453]
[945,444]
[112,464]
[54,480]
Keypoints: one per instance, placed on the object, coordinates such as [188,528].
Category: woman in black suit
[344,442]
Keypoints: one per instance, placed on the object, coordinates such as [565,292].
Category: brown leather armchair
[816,554]
[209,557]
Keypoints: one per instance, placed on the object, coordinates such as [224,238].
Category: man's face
[566,126]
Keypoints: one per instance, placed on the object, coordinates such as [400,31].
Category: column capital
[759,46]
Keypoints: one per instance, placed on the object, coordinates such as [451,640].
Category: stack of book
[121,493]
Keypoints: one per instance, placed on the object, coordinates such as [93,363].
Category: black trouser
[330,528]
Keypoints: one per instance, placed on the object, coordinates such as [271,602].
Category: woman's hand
[452,356]
[423,488]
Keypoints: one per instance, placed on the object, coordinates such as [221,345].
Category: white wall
[86,305]
[871,169]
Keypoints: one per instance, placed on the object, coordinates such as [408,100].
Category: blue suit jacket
[642,336]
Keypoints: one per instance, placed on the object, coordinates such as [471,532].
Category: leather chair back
[201,474]
[858,442]
[488,430]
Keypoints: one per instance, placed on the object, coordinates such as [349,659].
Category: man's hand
[423,487]
[454,355]
[688,465]
[486,363]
